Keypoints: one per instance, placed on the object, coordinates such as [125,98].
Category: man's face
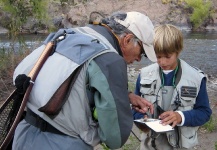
[132,50]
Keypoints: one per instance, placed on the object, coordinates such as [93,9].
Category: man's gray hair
[116,27]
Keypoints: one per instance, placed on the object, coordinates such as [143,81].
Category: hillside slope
[68,15]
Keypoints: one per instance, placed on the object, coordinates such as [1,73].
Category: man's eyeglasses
[142,50]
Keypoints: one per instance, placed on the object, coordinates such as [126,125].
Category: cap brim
[149,50]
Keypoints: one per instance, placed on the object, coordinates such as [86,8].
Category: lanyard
[177,99]
[174,76]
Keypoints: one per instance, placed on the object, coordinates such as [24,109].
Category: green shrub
[201,11]
[20,10]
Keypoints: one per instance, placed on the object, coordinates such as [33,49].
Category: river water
[200,49]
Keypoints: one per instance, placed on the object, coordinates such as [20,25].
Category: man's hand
[140,104]
[170,117]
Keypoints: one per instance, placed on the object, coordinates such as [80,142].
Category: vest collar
[108,35]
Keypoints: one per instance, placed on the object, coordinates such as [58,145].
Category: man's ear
[128,38]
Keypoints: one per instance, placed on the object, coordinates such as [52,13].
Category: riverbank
[3,30]
[207,139]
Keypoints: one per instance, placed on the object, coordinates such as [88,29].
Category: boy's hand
[170,117]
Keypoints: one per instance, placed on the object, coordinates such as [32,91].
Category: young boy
[177,91]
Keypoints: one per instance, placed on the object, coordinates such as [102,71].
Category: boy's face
[167,61]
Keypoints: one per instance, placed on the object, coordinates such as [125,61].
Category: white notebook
[155,125]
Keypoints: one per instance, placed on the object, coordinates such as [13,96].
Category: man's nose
[139,58]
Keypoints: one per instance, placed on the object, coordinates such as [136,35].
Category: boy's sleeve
[137,115]
[137,88]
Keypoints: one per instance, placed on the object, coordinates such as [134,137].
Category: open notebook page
[155,125]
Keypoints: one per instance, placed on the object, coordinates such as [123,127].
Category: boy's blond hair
[168,39]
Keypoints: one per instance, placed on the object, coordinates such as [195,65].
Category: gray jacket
[104,76]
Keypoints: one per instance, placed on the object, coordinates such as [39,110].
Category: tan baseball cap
[141,26]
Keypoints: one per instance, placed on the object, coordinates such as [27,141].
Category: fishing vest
[187,89]
[79,47]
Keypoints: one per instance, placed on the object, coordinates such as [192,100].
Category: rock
[3,30]
[68,14]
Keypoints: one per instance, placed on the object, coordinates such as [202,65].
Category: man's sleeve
[108,76]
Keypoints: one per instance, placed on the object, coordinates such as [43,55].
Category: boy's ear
[178,53]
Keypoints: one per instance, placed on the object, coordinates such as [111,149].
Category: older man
[97,106]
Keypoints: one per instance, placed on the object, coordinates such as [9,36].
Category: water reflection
[29,40]
[200,35]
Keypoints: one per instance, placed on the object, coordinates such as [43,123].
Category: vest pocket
[172,138]
[147,89]
[188,136]
[187,103]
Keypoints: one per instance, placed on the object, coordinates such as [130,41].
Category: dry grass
[9,59]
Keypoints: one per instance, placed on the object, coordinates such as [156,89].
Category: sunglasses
[142,50]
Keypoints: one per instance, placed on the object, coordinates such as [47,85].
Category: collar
[108,34]
[176,77]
